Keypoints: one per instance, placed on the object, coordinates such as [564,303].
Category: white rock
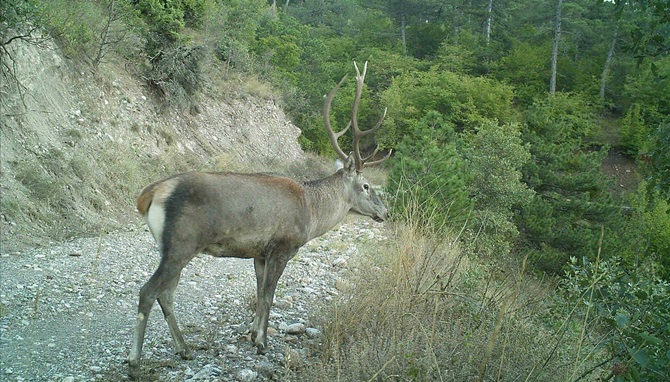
[312,332]
[296,328]
[246,375]
[339,262]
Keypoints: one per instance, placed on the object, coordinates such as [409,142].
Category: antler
[326,120]
[358,133]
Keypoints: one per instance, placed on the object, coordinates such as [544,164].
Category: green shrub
[464,101]
[574,197]
[634,131]
[494,156]
[625,311]
[657,162]
[428,177]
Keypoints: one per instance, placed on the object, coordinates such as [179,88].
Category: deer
[262,217]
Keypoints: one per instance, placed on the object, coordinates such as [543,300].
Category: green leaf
[641,358]
[648,338]
[621,320]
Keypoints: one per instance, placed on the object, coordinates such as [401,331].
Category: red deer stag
[267,218]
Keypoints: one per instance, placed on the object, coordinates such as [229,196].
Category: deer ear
[350,164]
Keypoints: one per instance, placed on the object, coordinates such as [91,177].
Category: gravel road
[67,310]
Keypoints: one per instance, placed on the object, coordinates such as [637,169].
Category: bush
[428,178]
[624,311]
[634,131]
[494,156]
[176,74]
[464,101]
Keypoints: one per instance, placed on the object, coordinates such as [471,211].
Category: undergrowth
[418,309]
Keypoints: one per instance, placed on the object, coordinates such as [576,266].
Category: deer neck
[328,202]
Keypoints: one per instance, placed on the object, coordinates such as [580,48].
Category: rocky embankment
[68,309]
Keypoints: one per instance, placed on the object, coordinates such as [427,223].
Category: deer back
[226,214]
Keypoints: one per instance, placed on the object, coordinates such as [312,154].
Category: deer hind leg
[166,301]
[166,276]
[267,275]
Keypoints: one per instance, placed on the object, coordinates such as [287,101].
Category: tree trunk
[402,34]
[554,52]
[608,62]
[489,19]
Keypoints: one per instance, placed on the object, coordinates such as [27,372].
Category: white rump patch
[155,221]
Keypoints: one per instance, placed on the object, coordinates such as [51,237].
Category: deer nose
[381,217]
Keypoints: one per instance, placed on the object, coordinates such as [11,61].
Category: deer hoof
[186,354]
[134,370]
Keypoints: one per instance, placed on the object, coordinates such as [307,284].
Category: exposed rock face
[77,147]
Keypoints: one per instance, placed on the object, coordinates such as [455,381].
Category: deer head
[363,197]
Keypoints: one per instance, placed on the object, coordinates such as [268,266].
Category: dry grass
[418,310]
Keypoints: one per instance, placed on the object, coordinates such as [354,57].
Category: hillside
[77,147]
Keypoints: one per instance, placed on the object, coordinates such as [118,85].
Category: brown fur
[144,200]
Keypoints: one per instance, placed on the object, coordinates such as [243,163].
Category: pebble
[339,262]
[246,375]
[296,328]
[312,332]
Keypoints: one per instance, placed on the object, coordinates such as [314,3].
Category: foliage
[496,190]
[573,199]
[16,16]
[464,101]
[175,70]
[645,87]
[525,67]
[634,130]
[631,308]
[167,19]
[428,176]
[176,74]
[658,167]
[649,228]
[277,45]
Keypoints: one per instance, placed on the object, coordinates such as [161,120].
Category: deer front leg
[259,268]
[267,275]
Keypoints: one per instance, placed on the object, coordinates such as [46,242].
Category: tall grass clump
[418,309]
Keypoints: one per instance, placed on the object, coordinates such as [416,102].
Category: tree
[428,178]
[573,200]
[554,50]
[494,156]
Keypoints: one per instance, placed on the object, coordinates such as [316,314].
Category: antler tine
[378,161]
[358,134]
[326,120]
